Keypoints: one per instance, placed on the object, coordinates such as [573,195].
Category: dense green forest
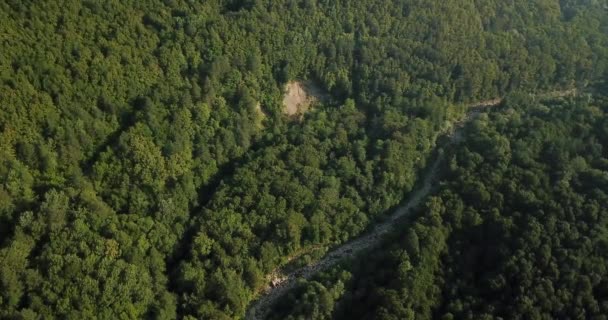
[517,230]
[147,170]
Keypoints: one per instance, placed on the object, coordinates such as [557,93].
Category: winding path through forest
[259,308]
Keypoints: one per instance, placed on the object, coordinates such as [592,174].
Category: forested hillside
[516,231]
[146,168]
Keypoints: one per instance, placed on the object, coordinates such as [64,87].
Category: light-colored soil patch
[299,97]
[260,116]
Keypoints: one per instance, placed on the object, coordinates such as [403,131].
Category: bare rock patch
[299,97]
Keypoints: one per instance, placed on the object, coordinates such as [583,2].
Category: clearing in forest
[299,96]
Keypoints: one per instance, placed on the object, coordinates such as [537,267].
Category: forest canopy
[515,231]
[147,169]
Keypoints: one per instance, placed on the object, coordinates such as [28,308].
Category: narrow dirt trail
[259,308]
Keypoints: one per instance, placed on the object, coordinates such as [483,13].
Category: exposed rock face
[299,96]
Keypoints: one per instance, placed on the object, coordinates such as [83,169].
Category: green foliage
[139,179]
[519,233]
